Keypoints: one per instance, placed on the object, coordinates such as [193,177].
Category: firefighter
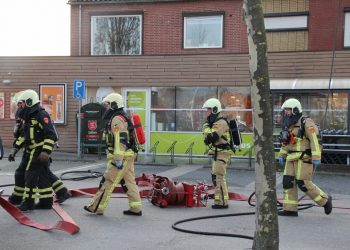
[38,138]
[120,159]
[15,198]
[300,153]
[217,137]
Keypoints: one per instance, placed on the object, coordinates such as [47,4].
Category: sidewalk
[165,160]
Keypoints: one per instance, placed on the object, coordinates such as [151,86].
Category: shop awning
[303,84]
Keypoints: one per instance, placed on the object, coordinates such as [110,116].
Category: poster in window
[2,105]
[53,99]
[13,105]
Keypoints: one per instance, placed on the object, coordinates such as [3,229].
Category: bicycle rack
[171,149]
[154,151]
[189,152]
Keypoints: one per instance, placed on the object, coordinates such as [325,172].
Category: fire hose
[164,193]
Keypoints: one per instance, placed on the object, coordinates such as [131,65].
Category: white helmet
[293,104]
[115,100]
[214,104]
[15,97]
[29,97]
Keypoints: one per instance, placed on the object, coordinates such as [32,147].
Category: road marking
[178,171]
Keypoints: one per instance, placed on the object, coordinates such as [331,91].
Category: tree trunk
[266,221]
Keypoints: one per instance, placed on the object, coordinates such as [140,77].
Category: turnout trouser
[17,194]
[112,177]
[299,174]
[37,183]
[219,178]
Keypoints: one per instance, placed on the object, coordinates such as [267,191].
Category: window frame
[220,14]
[346,40]
[116,14]
[272,16]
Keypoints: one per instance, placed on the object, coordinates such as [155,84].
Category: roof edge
[81,2]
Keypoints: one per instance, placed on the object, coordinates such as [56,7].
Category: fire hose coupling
[165,191]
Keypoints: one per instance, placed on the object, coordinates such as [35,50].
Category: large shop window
[116,35]
[314,105]
[180,108]
[203,31]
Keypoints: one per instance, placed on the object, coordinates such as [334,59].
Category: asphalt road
[311,230]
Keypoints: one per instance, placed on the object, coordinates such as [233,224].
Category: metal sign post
[79,93]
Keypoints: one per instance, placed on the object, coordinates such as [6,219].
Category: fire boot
[63,195]
[128,212]
[44,203]
[89,209]
[328,206]
[15,199]
[27,204]
[217,206]
[287,213]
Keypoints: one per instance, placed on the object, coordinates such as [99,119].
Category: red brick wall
[163,25]
[322,22]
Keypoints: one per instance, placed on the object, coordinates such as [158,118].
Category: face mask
[287,121]
[212,118]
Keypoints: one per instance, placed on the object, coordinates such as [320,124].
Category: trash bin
[92,127]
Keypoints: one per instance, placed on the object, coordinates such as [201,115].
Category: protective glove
[206,141]
[206,125]
[44,157]
[281,161]
[119,164]
[316,163]
[12,155]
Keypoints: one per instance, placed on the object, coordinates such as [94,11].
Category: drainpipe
[79,30]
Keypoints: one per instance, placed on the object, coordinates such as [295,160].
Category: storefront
[175,114]
[327,103]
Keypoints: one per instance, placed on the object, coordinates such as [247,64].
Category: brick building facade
[299,52]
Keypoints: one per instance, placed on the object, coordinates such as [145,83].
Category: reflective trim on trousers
[135,204]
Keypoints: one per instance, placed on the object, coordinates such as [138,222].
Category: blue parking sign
[79,89]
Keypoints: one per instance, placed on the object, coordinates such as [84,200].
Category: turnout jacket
[38,131]
[217,134]
[306,146]
[117,138]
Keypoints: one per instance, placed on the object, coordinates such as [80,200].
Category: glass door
[137,100]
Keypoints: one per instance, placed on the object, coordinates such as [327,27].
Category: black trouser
[17,194]
[37,176]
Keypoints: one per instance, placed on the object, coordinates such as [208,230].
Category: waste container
[92,127]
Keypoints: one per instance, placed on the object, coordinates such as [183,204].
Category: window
[236,103]
[116,35]
[314,105]
[203,31]
[180,108]
[347,30]
[283,22]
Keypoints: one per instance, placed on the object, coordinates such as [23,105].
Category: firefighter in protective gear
[120,160]
[38,139]
[15,198]
[301,152]
[217,137]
